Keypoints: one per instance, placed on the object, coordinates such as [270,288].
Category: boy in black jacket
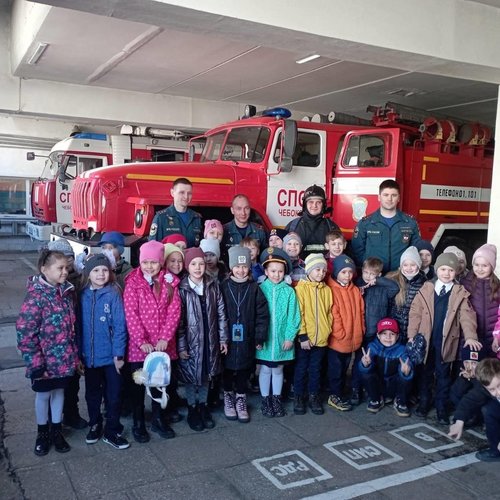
[485,395]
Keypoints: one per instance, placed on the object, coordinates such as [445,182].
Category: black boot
[42,444]
[60,444]
[139,427]
[194,419]
[159,422]
[206,417]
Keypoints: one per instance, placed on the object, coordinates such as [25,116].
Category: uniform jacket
[385,360]
[151,318]
[284,321]
[232,236]
[401,314]
[486,309]
[191,335]
[312,232]
[460,316]
[167,221]
[102,329]
[45,329]
[374,238]
[377,300]
[253,315]
[348,317]
[315,304]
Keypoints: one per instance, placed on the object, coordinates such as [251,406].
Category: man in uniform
[178,217]
[387,232]
[241,227]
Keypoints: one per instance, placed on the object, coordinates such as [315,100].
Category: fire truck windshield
[52,164]
[241,144]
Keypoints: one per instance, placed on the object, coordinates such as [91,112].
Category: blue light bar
[278,112]
[90,135]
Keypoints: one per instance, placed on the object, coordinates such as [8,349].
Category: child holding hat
[441,311]
[283,327]
[348,328]
[248,321]
[386,369]
[315,303]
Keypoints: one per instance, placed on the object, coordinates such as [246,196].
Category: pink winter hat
[152,250]
[212,224]
[489,253]
[192,253]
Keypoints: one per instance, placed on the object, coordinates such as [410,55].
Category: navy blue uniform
[168,221]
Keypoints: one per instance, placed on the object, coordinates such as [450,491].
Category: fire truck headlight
[138,218]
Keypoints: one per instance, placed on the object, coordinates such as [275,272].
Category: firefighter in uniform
[240,227]
[178,217]
[387,232]
[312,226]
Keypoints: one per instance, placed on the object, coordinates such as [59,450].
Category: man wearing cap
[387,232]
[312,226]
[241,227]
[178,217]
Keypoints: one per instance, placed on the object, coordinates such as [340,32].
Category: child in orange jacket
[348,328]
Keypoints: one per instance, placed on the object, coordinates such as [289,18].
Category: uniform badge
[406,238]
[356,232]
[154,228]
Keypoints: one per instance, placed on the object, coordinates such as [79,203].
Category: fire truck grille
[85,199]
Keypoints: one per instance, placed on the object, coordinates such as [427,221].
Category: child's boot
[241,408]
[206,417]
[60,444]
[299,405]
[194,418]
[42,444]
[315,404]
[267,407]
[278,409]
[139,426]
[229,408]
[159,421]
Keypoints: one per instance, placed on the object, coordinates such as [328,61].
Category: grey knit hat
[61,246]
[95,260]
[239,256]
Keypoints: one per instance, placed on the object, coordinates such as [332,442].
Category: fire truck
[444,171]
[83,151]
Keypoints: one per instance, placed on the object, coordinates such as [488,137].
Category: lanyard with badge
[238,330]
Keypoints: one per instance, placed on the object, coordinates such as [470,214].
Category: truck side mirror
[30,156]
[289,142]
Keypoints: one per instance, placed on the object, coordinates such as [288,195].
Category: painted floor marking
[365,453]
[356,490]
[425,436]
[291,469]
[477,434]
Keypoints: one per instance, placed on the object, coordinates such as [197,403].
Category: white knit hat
[411,253]
[210,246]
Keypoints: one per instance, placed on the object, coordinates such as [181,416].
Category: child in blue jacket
[103,341]
[386,369]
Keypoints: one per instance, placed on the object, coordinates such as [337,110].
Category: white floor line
[29,264]
[382,483]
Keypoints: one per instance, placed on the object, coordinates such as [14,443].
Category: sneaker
[488,455]
[94,434]
[375,406]
[339,404]
[116,441]
[299,406]
[401,409]
[229,406]
[315,404]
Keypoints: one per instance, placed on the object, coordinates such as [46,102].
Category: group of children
[271,315]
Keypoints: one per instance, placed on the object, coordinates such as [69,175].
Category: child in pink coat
[152,310]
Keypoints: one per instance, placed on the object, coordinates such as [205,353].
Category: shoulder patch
[154,228]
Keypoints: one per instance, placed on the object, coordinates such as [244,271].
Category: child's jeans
[491,414]
[386,387]
[435,368]
[308,365]
[338,364]
[196,393]
[99,382]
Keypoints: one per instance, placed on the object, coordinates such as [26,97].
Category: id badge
[237,332]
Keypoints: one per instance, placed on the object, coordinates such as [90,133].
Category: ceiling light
[35,57]
[307,59]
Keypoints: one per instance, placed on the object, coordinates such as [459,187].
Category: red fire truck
[83,151]
[444,172]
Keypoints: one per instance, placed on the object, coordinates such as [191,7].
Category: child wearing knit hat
[248,321]
[292,244]
[177,239]
[215,268]
[174,259]
[426,252]
[256,268]
[276,237]
[315,304]
[152,311]
[410,280]
[462,261]
[114,242]
[348,328]
[442,313]
[484,286]
[213,230]
[202,337]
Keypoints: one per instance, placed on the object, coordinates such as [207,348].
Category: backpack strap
[163,400]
